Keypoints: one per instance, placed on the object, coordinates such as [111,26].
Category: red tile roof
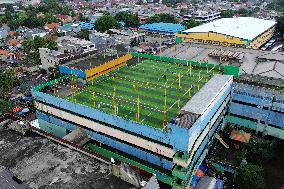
[240,135]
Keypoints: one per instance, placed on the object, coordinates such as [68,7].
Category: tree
[140,2]
[5,106]
[191,23]
[84,34]
[31,48]
[7,81]
[243,11]
[104,12]
[227,13]
[250,176]
[83,18]
[277,5]
[280,25]
[105,23]
[130,20]
[163,17]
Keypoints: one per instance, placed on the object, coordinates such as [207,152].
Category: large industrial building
[161,122]
[155,115]
[245,32]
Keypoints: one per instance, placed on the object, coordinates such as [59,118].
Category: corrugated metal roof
[241,27]
[163,27]
[200,102]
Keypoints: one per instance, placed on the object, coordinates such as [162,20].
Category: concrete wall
[152,158]
[213,38]
[257,108]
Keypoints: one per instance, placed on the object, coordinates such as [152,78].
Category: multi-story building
[245,32]
[203,16]
[69,48]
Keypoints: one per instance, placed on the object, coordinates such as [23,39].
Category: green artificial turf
[149,78]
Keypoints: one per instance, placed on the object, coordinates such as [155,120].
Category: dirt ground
[43,164]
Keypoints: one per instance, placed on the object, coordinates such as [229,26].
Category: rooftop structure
[168,28]
[204,16]
[240,31]
[115,37]
[69,49]
[76,44]
[242,27]
[252,62]
[134,111]
[86,25]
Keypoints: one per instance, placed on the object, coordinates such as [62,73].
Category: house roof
[240,135]
[163,27]
[52,25]
[11,33]
[13,42]
[63,17]
[4,52]
[241,27]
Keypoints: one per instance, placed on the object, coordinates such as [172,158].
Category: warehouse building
[244,32]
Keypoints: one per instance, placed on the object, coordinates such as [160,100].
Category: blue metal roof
[86,25]
[163,27]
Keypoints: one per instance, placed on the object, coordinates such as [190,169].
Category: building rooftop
[163,27]
[241,27]
[73,40]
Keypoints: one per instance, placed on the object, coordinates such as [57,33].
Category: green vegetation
[277,5]
[172,3]
[227,13]
[31,48]
[191,23]
[7,81]
[83,18]
[280,25]
[250,176]
[163,17]
[130,20]
[5,106]
[53,7]
[84,34]
[29,18]
[241,12]
[147,80]
[105,23]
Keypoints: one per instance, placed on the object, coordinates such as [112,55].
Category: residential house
[52,26]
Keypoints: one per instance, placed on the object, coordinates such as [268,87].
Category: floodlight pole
[207,71]
[190,77]
[189,87]
[138,103]
[75,89]
[165,106]
[114,99]
[94,98]
[56,88]
[190,68]
[138,109]
[179,87]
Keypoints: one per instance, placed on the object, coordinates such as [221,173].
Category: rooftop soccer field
[150,92]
